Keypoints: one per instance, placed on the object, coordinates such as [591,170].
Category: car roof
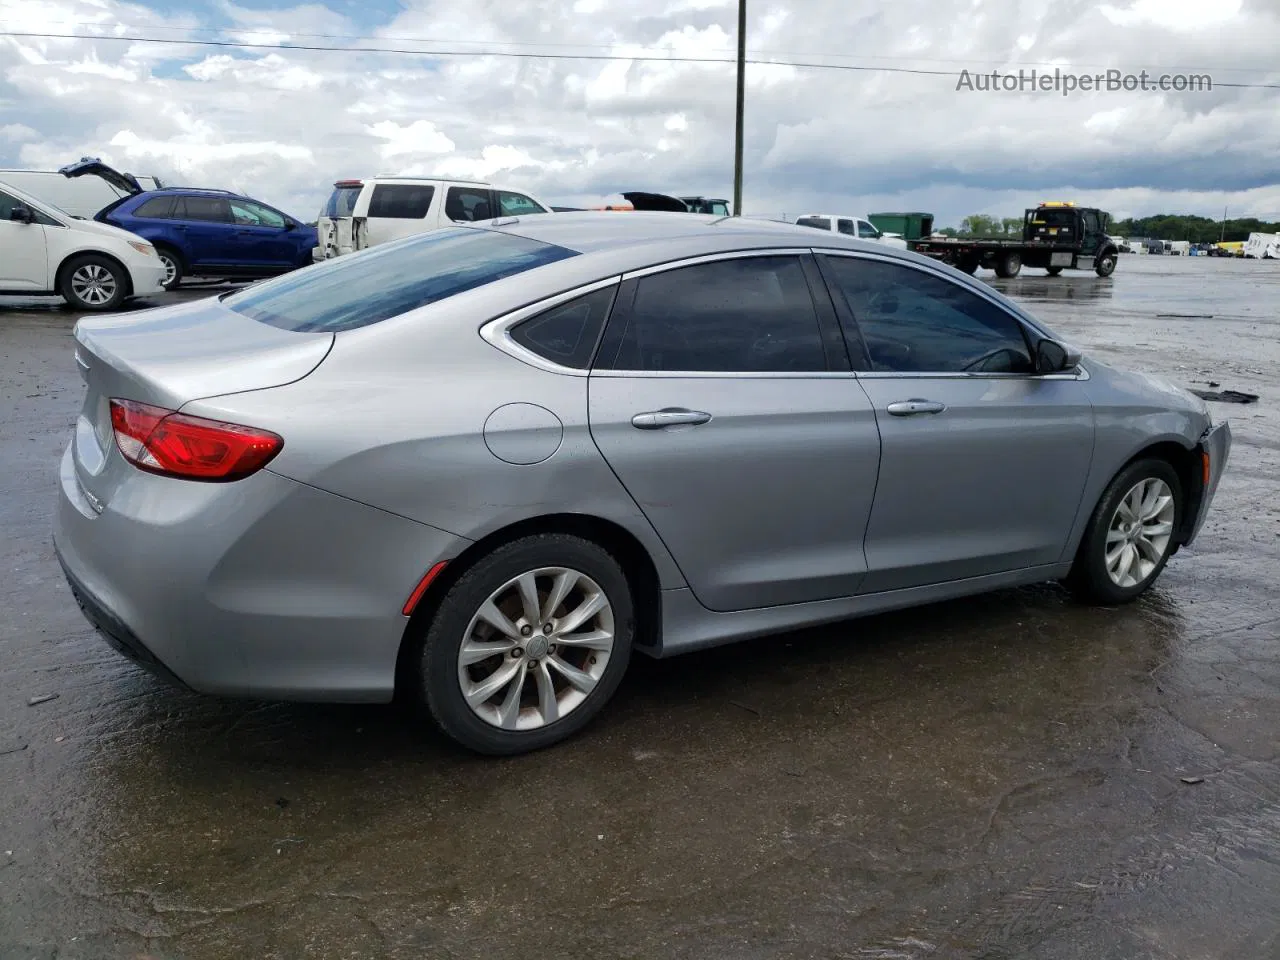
[835,216]
[599,231]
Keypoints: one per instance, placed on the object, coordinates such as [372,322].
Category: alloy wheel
[170,268]
[93,284]
[536,648]
[1140,532]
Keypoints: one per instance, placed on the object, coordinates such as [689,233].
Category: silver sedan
[484,465]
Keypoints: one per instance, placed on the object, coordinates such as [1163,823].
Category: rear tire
[94,282]
[173,266]
[1053,271]
[1130,536]
[1009,266]
[967,266]
[559,680]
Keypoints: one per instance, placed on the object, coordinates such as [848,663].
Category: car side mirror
[22,214]
[1055,357]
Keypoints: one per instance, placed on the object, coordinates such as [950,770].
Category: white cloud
[283,124]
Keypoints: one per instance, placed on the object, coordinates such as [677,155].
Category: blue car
[200,232]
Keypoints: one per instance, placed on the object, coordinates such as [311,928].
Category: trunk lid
[92,166]
[169,357]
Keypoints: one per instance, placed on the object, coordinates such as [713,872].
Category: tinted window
[343,200]
[567,334]
[468,203]
[203,208]
[822,223]
[401,201]
[157,208]
[249,214]
[845,226]
[719,208]
[516,204]
[749,315]
[913,321]
[867,231]
[7,203]
[385,281]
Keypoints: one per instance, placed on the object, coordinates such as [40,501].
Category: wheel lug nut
[533,664]
[551,649]
[547,628]
[526,630]
[517,653]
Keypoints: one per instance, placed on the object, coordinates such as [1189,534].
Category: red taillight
[193,448]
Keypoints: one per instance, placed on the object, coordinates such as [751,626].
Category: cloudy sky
[283,124]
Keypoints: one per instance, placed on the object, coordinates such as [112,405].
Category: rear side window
[157,208]
[386,281]
[401,201]
[567,334]
[846,227]
[342,202]
[822,223]
[468,203]
[214,209]
[748,315]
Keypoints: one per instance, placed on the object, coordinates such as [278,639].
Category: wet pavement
[1007,776]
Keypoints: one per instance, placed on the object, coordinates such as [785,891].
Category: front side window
[465,204]
[846,227]
[867,232]
[214,209]
[401,201]
[719,208]
[567,334]
[386,281]
[157,208]
[517,204]
[7,204]
[249,214]
[917,322]
[749,315]
[821,223]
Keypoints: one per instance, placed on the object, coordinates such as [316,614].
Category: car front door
[721,398]
[263,237]
[24,259]
[983,461]
[204,223]
[1091,233]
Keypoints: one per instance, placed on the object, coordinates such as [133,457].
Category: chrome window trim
[497,332]
[714,257]
[1080,373]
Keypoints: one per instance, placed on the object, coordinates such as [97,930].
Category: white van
[367,212]
[1262,246]
[859,227]
[93,266]
[79,196]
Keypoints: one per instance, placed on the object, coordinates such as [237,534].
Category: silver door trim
[497,332]
[713,257]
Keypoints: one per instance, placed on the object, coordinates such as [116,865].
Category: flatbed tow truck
[1055,235]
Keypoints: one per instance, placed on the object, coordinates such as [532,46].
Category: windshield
[386,281]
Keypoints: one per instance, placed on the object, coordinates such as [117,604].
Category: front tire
[1106,265]
[528,645]
[1130,536]
[94,282]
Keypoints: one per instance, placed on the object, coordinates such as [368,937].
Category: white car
[365,213]
[851,226]
[46,251]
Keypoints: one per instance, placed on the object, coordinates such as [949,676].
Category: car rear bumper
[1216,445]
[264,588]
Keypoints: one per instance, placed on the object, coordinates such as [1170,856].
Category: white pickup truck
[859,227]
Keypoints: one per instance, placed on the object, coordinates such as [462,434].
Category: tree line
[1164,226]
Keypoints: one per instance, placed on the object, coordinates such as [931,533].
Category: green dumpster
[910,226]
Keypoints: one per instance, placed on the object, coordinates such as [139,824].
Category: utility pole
[742,89]
[1222,236]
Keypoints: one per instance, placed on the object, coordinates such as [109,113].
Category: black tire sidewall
[179,267]
[1106,265]
[437,677]
[1089,575]
[120,275]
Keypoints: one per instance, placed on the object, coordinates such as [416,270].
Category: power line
[523,55]
[541,44]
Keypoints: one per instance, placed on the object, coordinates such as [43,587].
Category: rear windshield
[342,201]
[1054,217]
[385,281]
[822,223]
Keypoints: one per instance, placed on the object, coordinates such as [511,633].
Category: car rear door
[204,223]
[722,399]
[983,461]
